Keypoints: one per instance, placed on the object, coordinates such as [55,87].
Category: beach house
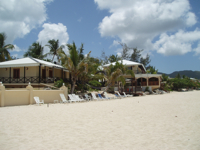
[141,80]
[17,73]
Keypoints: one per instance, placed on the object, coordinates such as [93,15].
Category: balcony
[33,79]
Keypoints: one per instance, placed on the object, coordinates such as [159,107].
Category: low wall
[26,97]
[14,98]
[48,95]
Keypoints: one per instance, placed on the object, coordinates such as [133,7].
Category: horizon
[168,31]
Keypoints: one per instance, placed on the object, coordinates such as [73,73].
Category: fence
[25,97]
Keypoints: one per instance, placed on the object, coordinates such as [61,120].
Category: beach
[152,122]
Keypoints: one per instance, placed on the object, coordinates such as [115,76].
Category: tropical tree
[35,51]
[4,53]
[114,58]
[54,48]
[74,63]
[152,70]
[115,73]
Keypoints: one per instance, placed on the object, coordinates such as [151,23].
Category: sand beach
[153,122]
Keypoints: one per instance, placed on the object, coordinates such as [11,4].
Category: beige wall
[4,72]
[47,95]
[0,98]
[14,97]
[32,71]
[26,97]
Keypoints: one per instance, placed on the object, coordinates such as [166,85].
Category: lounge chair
[72,98]
[106,96]
[99,95]
[37,100]
[87,97]
[117,96]
[62,96]
[122,96]
[94,96]
[78,98]
[127,95]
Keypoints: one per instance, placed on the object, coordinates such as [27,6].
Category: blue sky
[169,30]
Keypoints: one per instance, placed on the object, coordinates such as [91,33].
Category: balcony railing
[33,79]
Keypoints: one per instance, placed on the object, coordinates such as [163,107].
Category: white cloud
[53,31]
[177,44]
[139,22]
[19,17]
[16,49]
[197,49]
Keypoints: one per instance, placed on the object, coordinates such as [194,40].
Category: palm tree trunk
[73,87]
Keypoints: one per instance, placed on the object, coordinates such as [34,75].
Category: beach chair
[78,98]
[122,96]
[87,97]
[106,96]
[117,96]
[127,95]
[37,100]
[99,95]
[72,98]
[62,96]
[94,96]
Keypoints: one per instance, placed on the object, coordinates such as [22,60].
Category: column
[39,73]
[2,89]
[10,76]
[30,88]
[24,73]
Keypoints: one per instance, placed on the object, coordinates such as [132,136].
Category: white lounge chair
[37,100]
[62,96]
[122,96]
[106,96]
[94,96]
[72,98]
[78,98]
[87,97]
[127,95]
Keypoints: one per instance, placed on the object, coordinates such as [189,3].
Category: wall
[48,95]
[26,97]
[16,97]
[4,72]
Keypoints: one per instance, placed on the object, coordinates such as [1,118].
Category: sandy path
[154,122]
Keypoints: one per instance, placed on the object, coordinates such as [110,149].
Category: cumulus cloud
[53,31]
[19,17]
[16,49]
[177,44]
[139,23]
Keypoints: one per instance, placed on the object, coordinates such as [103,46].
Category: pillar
[2,89]
[10,75]
[65,90]
[39,73]
[24,73]
[30,88]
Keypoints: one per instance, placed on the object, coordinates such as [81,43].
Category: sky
[168,30]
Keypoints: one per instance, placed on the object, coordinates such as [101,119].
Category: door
[16,73]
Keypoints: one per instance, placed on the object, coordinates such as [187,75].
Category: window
[16,73]
[129,68]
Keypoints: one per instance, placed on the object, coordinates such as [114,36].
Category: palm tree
[54,48]
[4,53]
[35,51]
[74,63]
[116,73]
[152,70]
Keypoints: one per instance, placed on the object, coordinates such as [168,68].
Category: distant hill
[188,73]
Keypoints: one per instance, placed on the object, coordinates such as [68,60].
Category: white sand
[153,122]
